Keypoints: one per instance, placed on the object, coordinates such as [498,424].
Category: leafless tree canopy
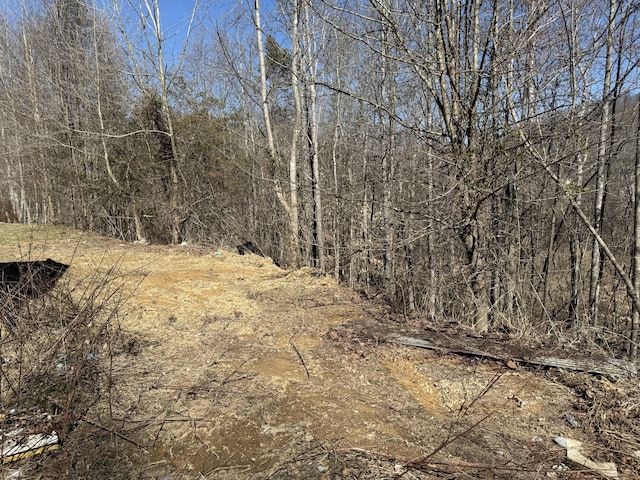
[475,162]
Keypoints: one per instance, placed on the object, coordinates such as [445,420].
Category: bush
[57,367]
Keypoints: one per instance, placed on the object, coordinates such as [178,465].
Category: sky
[175,15]
[175,12]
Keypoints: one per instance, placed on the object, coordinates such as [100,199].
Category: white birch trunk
[295,135]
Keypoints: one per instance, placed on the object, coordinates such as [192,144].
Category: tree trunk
[311,66]
[174,188]
[635,319]
[605,125]
[266,117]
[337,231]
[295,135]
[575,253]
[317,247]
[388,96]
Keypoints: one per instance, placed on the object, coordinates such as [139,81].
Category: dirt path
[235,368]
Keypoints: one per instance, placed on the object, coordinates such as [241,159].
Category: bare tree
[601,176]
[310,97]
[274,156]
[149,62]
[446,152]
[635,319]
[296,131]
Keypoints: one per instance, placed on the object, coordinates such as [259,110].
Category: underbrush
[56,373]
[608,414]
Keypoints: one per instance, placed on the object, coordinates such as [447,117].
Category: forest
[474,162]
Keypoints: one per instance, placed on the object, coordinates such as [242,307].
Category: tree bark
[605,125]
[635,318]
[295,135]
[311,66]
[266,117]
[174,189]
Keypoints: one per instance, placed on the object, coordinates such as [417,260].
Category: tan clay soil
[235,368]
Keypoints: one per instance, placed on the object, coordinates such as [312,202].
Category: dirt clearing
[231,367]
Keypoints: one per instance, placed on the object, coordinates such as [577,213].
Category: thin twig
[474,466]
[485,390]
[117,434]
[153,421]
[432,464]
[227,380]
[295,349]
[421,460]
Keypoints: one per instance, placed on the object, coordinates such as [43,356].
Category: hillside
[230,367]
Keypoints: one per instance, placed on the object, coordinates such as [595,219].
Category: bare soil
[233,368]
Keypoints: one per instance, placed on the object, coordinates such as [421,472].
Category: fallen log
[610,367]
